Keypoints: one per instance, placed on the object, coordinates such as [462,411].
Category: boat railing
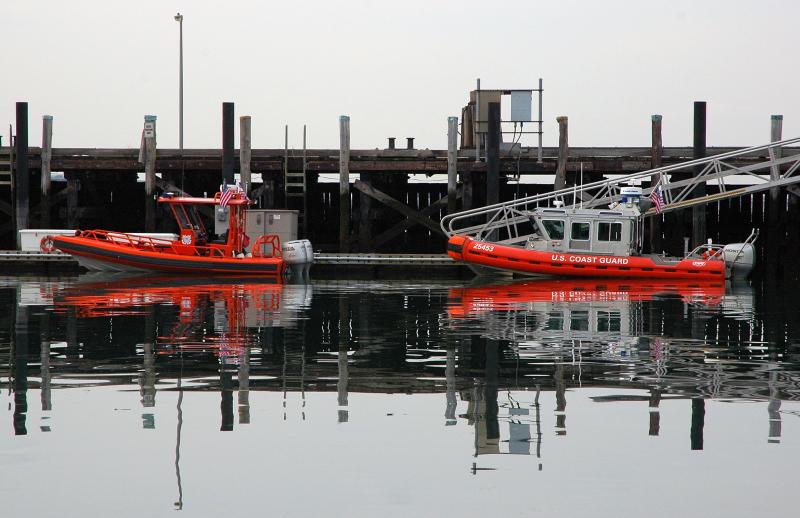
[153,244]
[706,252]
[271,242]
[769,165]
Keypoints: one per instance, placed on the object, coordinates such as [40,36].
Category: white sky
[398,69]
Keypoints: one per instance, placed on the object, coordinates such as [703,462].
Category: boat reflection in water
[233,306]
[502,359]
[571,309]
[590,332]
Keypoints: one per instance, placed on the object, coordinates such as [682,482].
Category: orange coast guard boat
[575,242]
[196,251]
[569,264]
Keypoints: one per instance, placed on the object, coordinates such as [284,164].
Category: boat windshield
[180,216]
[554,228]
[197,221]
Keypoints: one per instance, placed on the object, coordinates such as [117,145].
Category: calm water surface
[154,396]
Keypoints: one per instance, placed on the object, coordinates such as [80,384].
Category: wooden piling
[656,152]
[493,155]
[23,342]
[344,183]
[699,211]
[21,178]
[563,152]
[365,241]
[47,155]
[244,385]
[775,135]
[304,213]
[149,172]
[227,143]
[492,381]
[342,363]
[698,422]
[71,214]
[245,152]
[452,163]
[776,226]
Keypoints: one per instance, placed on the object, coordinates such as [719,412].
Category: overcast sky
[398,69]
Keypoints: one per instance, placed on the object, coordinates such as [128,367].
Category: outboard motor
[739,259]
[298,256]
[309,257]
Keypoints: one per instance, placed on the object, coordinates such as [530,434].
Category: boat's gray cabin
[615,231]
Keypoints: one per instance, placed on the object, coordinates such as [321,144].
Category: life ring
[46,245]
[710,254]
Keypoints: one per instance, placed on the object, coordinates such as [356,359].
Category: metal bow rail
[503,220]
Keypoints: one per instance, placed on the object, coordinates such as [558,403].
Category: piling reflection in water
[491,348]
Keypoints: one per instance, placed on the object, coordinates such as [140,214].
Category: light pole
[179,19]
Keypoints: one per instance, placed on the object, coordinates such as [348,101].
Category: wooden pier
[395,204]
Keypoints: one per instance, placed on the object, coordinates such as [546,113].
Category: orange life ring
[46,245]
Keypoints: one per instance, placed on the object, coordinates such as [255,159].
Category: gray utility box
[281,222]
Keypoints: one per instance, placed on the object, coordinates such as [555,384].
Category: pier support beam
[227,143]
[656,152]
[452,162]
[699,211]
[245,152]
[563,152]
[344,183]
[47,155]
[21,172]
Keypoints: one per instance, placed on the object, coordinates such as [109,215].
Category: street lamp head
[179,17]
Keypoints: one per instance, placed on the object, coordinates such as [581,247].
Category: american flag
[226,196]
[658,198]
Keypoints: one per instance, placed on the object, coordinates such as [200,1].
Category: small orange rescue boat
[195,252]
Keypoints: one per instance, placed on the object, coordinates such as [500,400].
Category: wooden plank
[675,153]
[398,206]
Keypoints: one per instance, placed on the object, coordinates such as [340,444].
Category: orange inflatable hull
[120,257]
[561,264]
